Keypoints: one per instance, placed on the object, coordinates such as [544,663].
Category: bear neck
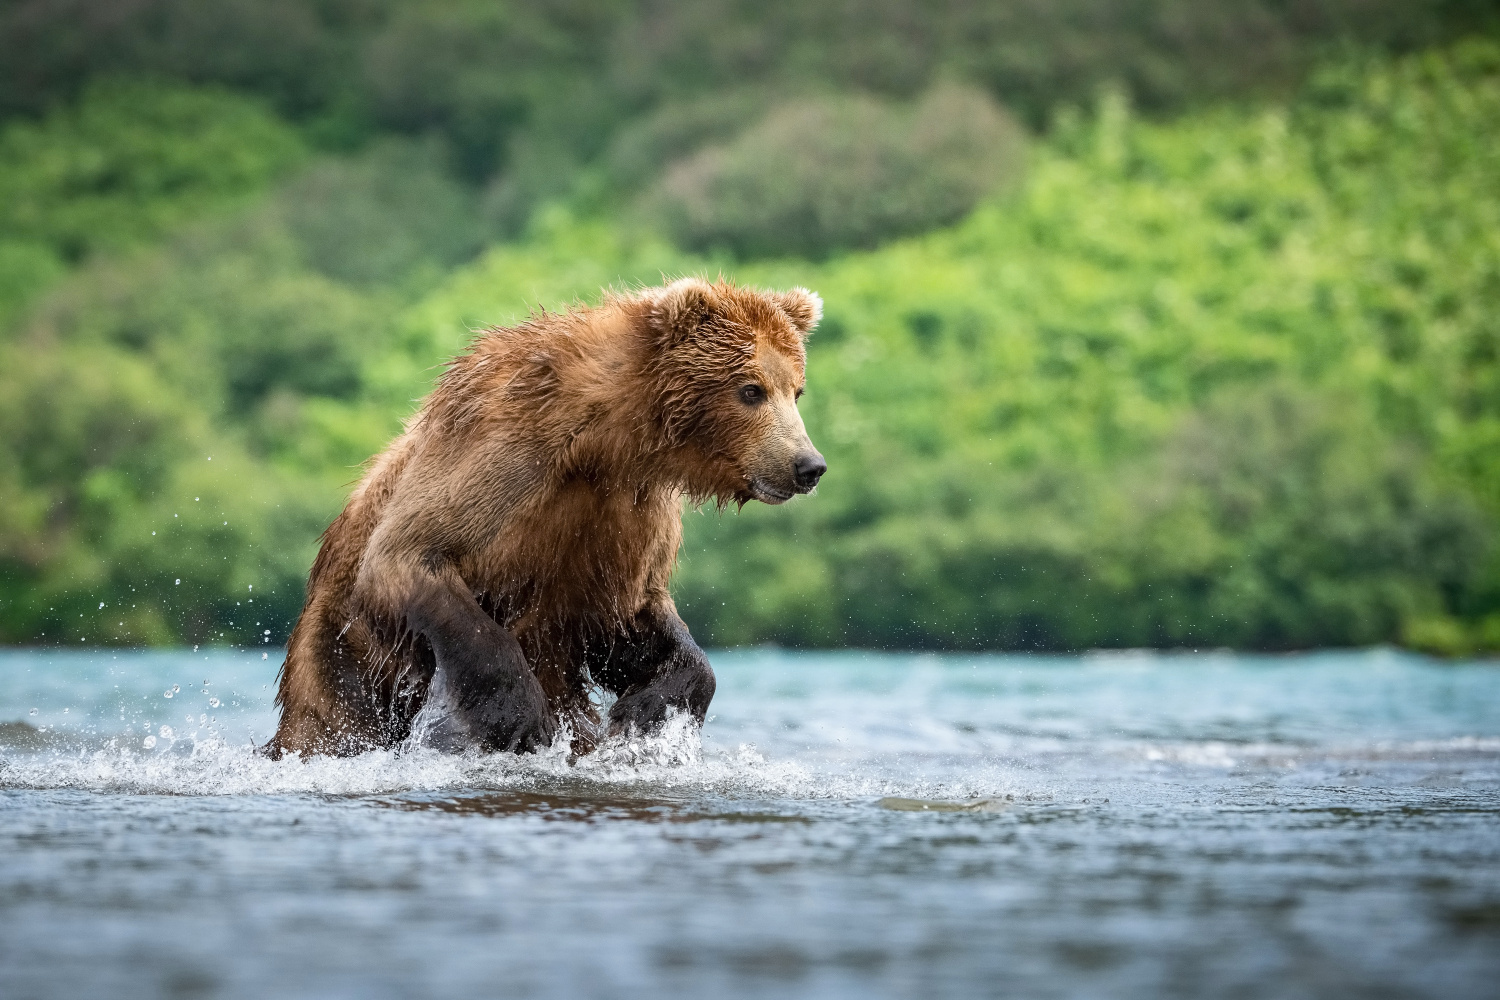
[616,435]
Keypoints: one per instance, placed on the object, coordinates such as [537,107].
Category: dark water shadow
[573,807]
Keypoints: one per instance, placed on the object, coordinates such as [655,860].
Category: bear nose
[808,469]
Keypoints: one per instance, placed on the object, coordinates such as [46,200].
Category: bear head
[727,367]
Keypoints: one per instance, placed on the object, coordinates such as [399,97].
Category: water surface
[847,825]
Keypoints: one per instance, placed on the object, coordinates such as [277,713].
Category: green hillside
[1219,372]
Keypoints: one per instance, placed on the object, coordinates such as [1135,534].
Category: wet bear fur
[511,549]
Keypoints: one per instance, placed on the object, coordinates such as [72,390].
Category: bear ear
[802,307]
[681,308]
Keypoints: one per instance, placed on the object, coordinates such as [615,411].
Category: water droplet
[166,732]
[149,742]
[213,703]
[33,711]
[178,583]
[167,693]
[202,718]
[263,656]
[176,688]
[101,604]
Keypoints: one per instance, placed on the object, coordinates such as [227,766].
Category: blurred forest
[1149,323]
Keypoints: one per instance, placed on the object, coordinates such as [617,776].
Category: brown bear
[511,549]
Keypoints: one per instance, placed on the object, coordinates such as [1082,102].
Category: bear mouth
[766,493]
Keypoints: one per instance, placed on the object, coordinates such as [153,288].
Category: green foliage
[128,163]
[1225,381]
[262,339]
[1275,517]
[1230,379]
[133,159]
[837,172]
[1152,399]
[387,218]
[535,89]
[479,72]
[641,150]
[127,518]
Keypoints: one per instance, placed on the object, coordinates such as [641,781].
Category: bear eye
[800,390]
[752,395]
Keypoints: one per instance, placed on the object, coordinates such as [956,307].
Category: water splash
[167,763]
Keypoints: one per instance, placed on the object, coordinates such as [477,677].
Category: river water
[846,825]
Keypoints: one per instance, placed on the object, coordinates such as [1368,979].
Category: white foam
[673,759]
[672,762]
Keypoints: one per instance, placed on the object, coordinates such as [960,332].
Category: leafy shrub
[378,219]
[1279,518]
[119,491]
[477,72]
[191,413]
[128,163]
[133,159]
[642,149]
[840,172]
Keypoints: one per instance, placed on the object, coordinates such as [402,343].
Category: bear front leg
[657,670]
[483,694]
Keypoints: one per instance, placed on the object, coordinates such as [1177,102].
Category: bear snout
[807,469]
